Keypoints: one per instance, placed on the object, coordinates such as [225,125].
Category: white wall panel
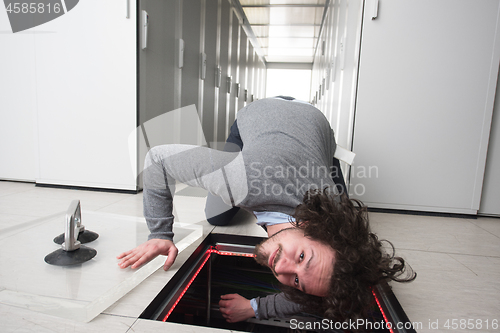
[427,81]
[17,103]
[243,69]
[335,72]
[86,96]
[235,48]
[490,197]
[224,64]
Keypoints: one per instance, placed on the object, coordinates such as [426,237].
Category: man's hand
[148,251]
[235,308]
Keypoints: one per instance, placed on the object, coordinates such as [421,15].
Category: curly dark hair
[360,262]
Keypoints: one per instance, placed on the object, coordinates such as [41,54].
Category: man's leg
[338,178]
[217,212]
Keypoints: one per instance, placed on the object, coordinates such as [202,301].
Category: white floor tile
[10,220]
[446,289]
[457,261]
[16,320]
[7,188]
[136,301]
[490,224]
[438,234]
[130,205]
[42,201]
[189,209]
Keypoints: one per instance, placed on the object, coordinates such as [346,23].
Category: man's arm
[237,308]
[158,207]
[148,251]
[195,166]
[276,305]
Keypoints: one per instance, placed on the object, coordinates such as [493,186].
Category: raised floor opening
[224,264]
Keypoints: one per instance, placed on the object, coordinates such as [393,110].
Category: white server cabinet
[70,98]
[211,91]
[86,96]
[224,66]
[17,103]
[427,78]
[490,197]
[243,70]
[235,58]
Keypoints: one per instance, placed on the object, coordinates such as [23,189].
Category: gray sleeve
[157,197]
[276,305]
[217,172]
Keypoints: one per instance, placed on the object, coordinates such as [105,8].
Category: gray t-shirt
[288,148]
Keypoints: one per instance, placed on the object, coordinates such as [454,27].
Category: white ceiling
[286,30]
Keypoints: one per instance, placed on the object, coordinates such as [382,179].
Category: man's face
[298,261]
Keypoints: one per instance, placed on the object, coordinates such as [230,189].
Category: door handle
[374,9]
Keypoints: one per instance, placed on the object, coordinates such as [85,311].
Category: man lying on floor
[278,164]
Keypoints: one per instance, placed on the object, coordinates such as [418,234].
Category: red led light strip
[224,253]
[209,251]
[382,311]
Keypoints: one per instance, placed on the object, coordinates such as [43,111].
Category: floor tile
[136,301]
[16,320]
[490,224]
[189,209]
[10,220]
[130,205]
[438,234]
[42,201]
[446,289]
[8,187]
